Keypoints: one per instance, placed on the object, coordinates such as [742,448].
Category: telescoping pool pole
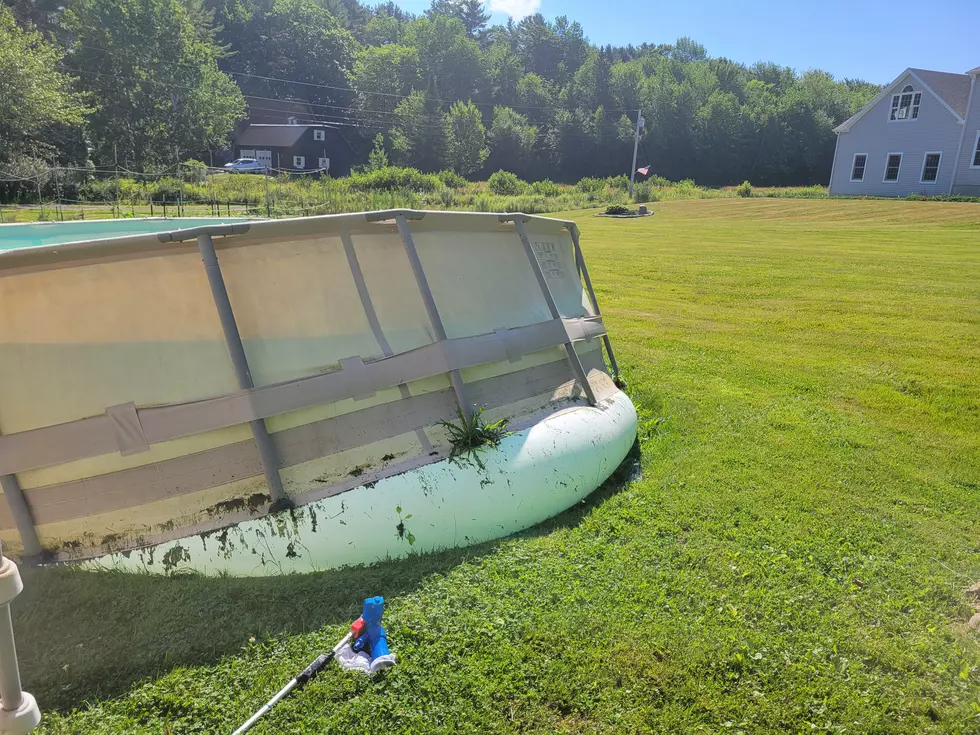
[299,682]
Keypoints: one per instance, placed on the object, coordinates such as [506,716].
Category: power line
[352,90]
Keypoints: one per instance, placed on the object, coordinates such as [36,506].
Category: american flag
[645,170]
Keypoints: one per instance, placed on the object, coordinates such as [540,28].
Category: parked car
[245,166]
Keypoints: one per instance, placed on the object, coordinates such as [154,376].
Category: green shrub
[377,159]
[589,185]
[447,197]
[546,188]
[483,203]
[194,170]
[394,177]
[528,205]
[643,192]
[744,189]
[617,209]
[621,182]
[452,179]
[504,182]
[166,188]
[98,190]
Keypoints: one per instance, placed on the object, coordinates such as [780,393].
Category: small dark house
[285,135]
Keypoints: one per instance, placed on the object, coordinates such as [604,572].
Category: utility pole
[115,158]
[268,209]
[180,179]
[636,146]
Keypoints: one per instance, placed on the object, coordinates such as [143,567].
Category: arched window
[905,105]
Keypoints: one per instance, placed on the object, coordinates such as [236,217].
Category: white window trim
[901,160]
[973,153]
[899,94]
[862,180]
[319,135]
[301,164]
[939,166]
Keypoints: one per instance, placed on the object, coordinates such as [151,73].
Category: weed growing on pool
[470,435]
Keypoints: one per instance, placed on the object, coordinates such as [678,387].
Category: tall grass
[390,187]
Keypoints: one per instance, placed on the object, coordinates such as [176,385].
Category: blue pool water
[58,233]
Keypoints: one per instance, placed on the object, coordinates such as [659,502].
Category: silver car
[245,166]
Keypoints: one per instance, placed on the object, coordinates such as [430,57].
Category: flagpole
[636,145]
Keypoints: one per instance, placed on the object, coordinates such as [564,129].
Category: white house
[920,135]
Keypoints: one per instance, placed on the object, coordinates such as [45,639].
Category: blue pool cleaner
[365,649]
[369,651]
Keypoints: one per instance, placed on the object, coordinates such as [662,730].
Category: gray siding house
[920,135]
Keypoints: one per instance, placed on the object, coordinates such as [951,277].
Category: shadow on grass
[91,635]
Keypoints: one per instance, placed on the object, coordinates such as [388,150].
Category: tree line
[147,83]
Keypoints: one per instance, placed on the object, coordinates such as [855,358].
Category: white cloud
[517,9]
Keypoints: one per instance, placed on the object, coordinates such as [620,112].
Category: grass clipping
[470,435]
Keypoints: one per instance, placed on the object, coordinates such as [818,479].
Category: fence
[72,193]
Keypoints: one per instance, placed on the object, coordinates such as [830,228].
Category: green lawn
[793,559]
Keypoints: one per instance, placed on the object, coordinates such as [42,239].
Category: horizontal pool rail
[97,435]
[193,233]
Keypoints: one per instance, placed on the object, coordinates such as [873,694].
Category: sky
[873,40]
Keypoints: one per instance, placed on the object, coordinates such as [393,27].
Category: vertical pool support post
[19,713]
[584,269]
[430,307]
[23,518]
[233,340]
[549,298]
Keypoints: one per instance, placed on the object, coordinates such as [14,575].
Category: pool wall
[126,419]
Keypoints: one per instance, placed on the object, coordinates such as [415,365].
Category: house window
[299,161]
[324,164]
[930,168]
[319,135]
[905,106]
[976,153]
[893,165]
[857,168]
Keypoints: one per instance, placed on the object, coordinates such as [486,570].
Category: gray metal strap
[573,357]
[233,340]
[129,432]
[580,260]
[430,307]
[21,512]
[372,317]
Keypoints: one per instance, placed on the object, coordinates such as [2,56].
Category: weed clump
[469,435]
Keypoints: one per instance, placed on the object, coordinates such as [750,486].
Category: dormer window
[292,121]
[905,106]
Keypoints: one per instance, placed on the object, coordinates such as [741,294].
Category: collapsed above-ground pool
[267,397]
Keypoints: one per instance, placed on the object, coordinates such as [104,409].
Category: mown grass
[793,559]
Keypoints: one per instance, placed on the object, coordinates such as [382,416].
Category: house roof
[952,90]
[279,136]
[273,111]
[974,72]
